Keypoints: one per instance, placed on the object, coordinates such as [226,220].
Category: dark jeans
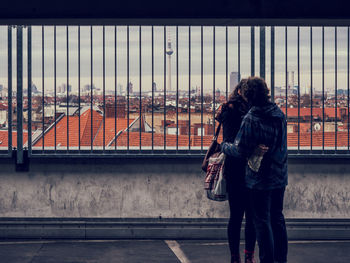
[239,204]
[269,224]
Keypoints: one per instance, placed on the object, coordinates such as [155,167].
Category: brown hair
[234,94]
[256,91]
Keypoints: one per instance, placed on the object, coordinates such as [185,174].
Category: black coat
[231,117]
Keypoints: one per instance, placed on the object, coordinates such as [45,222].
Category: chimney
[121,110]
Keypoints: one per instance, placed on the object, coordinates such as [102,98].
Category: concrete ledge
[127,228]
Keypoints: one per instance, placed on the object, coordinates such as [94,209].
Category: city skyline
[159,55]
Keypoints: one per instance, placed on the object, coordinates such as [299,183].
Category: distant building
[234,79]
[198,91]
[217,93]
[34,89]
[342,92]
[63,88]
[154,86]
[130,88]
[120,89]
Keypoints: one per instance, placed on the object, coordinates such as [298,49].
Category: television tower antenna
[169,51]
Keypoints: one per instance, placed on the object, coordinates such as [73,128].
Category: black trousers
[270,224]
[239,205]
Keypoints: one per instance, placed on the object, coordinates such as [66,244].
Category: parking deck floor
[156,251]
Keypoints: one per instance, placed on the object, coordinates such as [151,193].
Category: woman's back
[231,116]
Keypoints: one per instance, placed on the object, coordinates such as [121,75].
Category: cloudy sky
[183,55]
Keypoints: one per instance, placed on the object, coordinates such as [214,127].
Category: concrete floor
[156,251]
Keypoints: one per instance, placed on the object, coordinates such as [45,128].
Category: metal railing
[98,112]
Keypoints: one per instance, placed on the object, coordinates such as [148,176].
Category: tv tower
[169,51]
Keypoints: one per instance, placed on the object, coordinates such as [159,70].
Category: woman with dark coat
[230,115]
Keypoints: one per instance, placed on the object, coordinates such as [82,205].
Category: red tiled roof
[85,130]
[329,112]
[4,138]
[158,140]
[110,130]
[317,139]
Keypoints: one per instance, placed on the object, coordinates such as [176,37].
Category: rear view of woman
[231,115]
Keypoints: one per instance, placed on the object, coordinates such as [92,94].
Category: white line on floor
[175,247]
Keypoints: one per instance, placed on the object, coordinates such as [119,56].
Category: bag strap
[217,132]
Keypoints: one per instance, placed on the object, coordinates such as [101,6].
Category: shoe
[249,257]
[235,258]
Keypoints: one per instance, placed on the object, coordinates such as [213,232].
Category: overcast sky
[183,55]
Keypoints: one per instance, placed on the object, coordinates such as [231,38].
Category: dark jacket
[263,125]
[231,117]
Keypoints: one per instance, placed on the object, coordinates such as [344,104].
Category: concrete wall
[156,188]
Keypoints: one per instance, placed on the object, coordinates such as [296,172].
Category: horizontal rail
[179,22]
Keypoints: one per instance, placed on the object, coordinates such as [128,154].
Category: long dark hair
[235,100]
[234,94]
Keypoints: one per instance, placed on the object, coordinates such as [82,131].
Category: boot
[249,256]
[235,258]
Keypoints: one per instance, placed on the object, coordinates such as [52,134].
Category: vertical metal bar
[239,53]
[43,86]
[153,87]
[104,85]
[226,61]
[79,88]
[128,82]
[67,38]
[262,52]
[214,80]
[336,88]
[322,89]
[311,87]
[273,64]
[91,88]
[29,51]
[189,88]
[298,58]
[55,82]
[115,88]
[177,88]
[252,50]
[348,91]
[9,92]
[19,94]
[164,79]
[140,83]
[286,69]
[202,95]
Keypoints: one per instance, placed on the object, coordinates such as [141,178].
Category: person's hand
[260,150]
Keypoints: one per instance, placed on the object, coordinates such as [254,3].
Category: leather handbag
[213,148]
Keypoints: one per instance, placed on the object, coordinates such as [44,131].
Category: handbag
[213,148]
[215,181]
[213,165]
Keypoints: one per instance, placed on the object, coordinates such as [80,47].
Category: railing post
[272,64]
[20,158]
[29,72]
[252,50]
[262,52]
[9,92]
